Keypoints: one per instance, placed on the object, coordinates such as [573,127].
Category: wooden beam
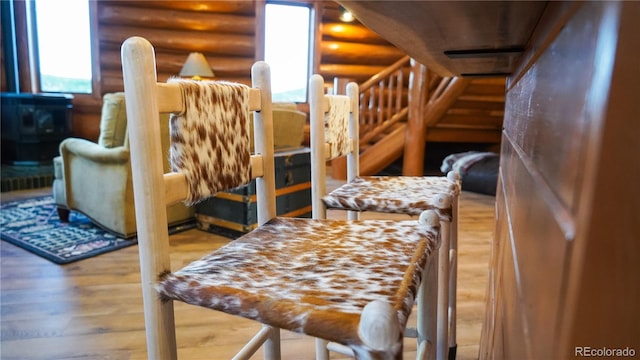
[414,146]
[340,31]
[231,7]
[179,20]
[183,41]
[358,53]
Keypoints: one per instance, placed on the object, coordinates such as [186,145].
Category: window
[287,34]
[62,45]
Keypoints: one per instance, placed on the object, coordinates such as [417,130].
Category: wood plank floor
[92,309]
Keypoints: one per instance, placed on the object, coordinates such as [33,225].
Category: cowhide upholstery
[311,276]
[336,125]
[396,194]
[390,194]
[210,138]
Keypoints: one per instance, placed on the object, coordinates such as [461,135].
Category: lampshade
[196,66]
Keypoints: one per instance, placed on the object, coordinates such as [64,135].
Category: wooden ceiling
[461,38]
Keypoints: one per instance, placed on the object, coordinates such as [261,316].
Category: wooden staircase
[406,105]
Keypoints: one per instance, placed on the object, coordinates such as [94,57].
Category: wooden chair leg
[453,281]
[322,352]
[63,214]
[269,338]
[272,345]
[427,312]
[443,293]
[159,324]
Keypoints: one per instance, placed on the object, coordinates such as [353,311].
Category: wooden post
[423,115]
[138,64]
[416,132]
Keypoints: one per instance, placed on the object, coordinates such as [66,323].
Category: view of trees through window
[64,45]
[287,50]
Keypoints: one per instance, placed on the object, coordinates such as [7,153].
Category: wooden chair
[353,283]
[391,194]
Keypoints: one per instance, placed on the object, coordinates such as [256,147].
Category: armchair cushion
[113,124]
[288,128]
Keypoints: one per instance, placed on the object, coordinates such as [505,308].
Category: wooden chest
[234,212]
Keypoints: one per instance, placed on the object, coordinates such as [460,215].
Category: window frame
[33,53]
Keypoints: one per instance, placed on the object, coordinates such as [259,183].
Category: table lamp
[196,67]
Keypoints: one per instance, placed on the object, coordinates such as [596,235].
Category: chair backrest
[334,133]
[207,152]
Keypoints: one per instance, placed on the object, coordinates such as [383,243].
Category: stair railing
[394,99]
[383,100]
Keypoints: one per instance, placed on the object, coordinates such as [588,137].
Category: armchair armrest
[97,182]
[94,152]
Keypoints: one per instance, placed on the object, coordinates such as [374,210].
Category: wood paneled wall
[350,50]
[564,274]
[224,31]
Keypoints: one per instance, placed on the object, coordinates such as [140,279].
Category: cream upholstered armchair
[288,126]
[95,178]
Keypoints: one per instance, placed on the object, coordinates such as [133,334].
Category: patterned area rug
[34,225]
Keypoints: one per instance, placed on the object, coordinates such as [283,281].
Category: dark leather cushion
[478,170]
[482,177]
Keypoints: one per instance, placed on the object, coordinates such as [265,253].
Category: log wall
[350,50]
[224,31]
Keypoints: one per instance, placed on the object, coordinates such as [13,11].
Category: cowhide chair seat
[312,277]
[409,195]
[395,194]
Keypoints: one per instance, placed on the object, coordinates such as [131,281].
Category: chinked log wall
[228,34]
[350,50]
[225,32]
